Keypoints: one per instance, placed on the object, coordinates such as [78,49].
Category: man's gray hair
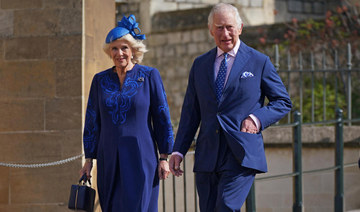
[223,7]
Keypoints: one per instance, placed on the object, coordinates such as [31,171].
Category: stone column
[49,51]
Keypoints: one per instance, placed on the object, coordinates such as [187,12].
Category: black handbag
[82,197]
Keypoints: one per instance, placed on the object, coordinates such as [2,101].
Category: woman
[127,123]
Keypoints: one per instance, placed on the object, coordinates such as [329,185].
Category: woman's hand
[86,169]
[163,169]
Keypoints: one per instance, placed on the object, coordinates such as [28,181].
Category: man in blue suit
[225,97]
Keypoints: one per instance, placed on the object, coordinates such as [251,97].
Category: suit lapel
[209,68]
[241,60]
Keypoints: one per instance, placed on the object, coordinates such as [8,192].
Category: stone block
[21,115]
[65,47]
[174,38]
[41,186]
[199,35]
[71,142]
[170,52]
[6,23]
[32,147]
[26,48]
[68,78]
[89,47]
[204,47]
[180,50]
[71,21]
[277,135]
[62,4]
[59,207]
[186,37]
[20,4]
[1,50]
[4,185]
[192,49]
[27,79]
[157,39]
[63,114]
[36,22]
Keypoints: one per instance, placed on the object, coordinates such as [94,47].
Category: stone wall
[47,57]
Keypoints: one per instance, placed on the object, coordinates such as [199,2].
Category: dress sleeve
[160,114]
[92,122]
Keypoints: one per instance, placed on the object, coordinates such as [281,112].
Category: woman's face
[121,53]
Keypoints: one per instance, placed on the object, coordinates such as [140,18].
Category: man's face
[225,30]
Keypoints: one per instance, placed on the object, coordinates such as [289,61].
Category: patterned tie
[220,79]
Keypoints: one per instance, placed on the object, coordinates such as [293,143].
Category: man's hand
[249,126]
[174,163]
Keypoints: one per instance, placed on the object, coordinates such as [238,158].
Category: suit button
[217,131]
[219,113]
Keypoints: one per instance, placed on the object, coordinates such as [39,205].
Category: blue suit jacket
[241,97]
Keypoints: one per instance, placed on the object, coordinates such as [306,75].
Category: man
[225,96]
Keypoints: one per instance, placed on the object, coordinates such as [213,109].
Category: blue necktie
[220,79]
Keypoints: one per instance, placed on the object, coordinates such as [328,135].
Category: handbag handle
[84,179]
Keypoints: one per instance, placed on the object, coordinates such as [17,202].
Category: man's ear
[211,33]
[241,28]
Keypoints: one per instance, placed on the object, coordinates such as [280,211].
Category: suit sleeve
[160,114]
[279,101]
[92,122]
[190,117]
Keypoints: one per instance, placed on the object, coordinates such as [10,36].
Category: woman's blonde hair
[137,46]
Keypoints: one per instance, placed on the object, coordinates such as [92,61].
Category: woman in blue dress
[127,126]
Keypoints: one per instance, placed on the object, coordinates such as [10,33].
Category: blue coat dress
[125,128]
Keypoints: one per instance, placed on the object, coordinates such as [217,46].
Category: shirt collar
[233,51]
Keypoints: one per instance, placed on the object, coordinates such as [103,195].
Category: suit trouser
[227,187]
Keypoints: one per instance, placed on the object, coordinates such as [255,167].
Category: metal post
[250,200]
[324,84]
[349,83]
[297,164]
[301,83]
[184,177]
[336,79]
[312,86]
[163,196]
[277,57]
[195,192]
[288,79]
[339,163]
[174,194]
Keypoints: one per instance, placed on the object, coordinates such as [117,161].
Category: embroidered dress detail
[119,101]
[91,127]
[164,119]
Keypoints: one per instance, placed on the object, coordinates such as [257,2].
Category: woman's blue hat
[125,26]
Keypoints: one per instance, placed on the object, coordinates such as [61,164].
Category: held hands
[174,163]
[249,126]
[86,169]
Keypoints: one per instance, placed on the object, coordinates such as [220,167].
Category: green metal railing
[296,174]
[297,166]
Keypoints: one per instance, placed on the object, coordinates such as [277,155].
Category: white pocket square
[247,74]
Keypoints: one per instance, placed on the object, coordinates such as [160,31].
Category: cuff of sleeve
[256,120]
[178,153]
